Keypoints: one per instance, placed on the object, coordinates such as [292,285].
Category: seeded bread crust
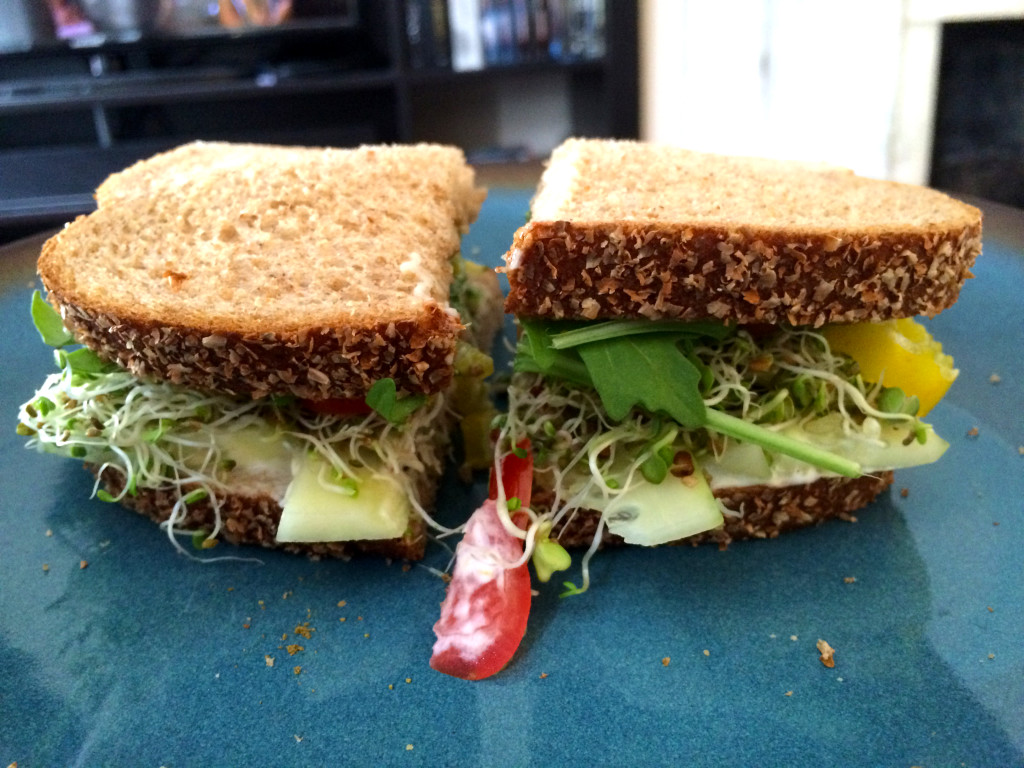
[315,363]
[250,269]
[625,229]
[760,511]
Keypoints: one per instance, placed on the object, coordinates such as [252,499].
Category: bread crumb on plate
[827,653]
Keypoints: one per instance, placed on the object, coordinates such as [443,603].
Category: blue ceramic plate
[675,656]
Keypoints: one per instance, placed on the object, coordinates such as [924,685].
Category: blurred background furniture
[89,86]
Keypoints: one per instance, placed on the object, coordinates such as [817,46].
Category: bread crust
[594,270]
[316,364]
[760,511]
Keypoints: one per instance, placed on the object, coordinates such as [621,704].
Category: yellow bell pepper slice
[897,353]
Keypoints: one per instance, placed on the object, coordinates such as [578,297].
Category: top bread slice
[629,229]
[256,269]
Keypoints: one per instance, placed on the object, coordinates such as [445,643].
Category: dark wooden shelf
[130,89]
[448,77]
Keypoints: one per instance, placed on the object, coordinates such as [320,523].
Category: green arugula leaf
[53,333]
[611,329]
[538,340]
[84,360]
[649,371]
[383,398]
[566,367]
[535,355]
[49,323]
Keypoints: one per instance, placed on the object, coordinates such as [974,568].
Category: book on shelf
[468,35]
[426,31]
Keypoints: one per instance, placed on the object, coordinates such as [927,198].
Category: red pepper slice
[338,406]
[516,474]
[484,613]
[486,606]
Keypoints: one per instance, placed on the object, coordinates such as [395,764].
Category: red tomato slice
[516,475]
[339,406]
[483,616]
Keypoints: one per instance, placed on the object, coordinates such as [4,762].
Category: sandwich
[270,345]
[711,349]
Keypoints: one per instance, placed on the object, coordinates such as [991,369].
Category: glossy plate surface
[115,650]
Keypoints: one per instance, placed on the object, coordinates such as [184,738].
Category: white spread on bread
[427,286]
[743,465]
[515,256]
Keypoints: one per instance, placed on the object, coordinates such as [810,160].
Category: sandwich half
[718,348]
[277,341]
[710,348]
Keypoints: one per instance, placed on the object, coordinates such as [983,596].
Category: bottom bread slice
[252,518]
[757,511]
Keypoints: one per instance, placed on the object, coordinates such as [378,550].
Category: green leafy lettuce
[383,398]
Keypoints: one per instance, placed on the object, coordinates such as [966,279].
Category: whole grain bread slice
[254,269]
[629,229]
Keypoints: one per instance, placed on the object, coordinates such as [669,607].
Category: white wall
[781,78]
[847,83]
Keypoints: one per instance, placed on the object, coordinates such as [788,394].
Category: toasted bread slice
[627,229]
[250,269]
